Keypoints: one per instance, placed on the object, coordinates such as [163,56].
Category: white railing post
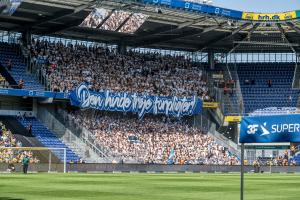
[49,169]
[65,160]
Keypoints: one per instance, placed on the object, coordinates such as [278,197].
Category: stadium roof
[165,27]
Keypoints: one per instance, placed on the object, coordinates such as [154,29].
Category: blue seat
[19,68]
[260,96]
[48,138]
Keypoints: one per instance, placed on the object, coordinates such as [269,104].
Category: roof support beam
[172,28]
[284,36]
[144,41]
[295,28]
[63,13]
[54,29]
[50,4]
[227,36]
[190,23]
[246,37]
[72,23]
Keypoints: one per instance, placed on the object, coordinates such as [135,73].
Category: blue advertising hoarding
[268,129]
[215,10]
[33,93]
[197,7]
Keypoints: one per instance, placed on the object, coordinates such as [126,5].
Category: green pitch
[147,186]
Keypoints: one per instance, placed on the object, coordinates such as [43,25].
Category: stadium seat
[48,138]
[260,95]
[18,70]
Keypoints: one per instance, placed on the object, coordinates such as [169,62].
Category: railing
[217,92]
[231,72]
[209,127]
[81,132]
[226,101]
[84,149]
[61,129]
[238,90]
[225,142]
[34,66]
[202,123]
[296,78]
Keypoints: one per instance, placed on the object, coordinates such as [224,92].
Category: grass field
[147,186]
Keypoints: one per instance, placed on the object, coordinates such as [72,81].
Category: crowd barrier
[149,168]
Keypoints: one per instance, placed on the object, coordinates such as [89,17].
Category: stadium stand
[7,139]
[267,85]
[16,67]
[48,138]
[153,74]
[162,56]
[158,140]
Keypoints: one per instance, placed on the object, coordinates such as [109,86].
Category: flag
[171,156]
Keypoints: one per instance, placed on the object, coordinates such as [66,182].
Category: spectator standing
[21,83]
[30,129]
[269,83]
[9,65]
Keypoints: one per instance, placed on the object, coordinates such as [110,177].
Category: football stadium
[149,99]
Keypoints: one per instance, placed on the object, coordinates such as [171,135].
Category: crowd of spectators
[115,20]
[151,73]
[94,19]
[153,139]
[7,139]
[285,158]
[133,23]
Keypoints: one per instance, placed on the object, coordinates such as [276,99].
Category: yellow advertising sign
[233,118]
[210,105]
[269,16]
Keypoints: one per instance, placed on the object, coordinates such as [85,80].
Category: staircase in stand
[48,138]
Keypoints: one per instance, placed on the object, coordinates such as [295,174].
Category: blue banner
[197,7]
[33,93]
[136,103]
[267,129]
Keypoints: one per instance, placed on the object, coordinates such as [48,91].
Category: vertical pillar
[26,40]
[122,47]
[50,160]
[211,60]
[26,37]
[65,160]
[242,171]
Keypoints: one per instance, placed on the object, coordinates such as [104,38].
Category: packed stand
[133,23]
[103,69]
[158,140]
[115,20]
[7,139]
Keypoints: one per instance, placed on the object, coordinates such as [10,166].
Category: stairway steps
[48,138]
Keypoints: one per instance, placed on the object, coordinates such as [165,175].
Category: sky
[259,5]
